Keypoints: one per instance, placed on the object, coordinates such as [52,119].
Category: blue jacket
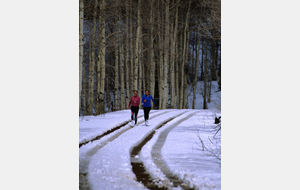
[148,100]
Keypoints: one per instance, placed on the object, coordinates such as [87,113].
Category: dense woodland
[160,45]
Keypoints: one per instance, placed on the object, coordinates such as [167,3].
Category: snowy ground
[174,149]
[92,126]
[182,152]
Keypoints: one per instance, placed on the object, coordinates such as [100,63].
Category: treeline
[160,45]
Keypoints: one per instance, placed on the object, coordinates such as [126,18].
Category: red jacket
[135,101]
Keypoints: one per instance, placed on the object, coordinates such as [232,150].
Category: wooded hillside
[160,45]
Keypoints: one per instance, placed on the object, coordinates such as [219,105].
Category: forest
[160,45]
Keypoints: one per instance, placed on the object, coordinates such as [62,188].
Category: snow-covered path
[87,151]
[107,162]
[92,126]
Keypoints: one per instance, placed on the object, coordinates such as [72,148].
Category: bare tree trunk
[178,66]
[92,65]
[81,10]
[201,74]
[219,70]
[127,67]
[89,70]
[137,46]
[83,93]
[166,57]
[140,58]
[140,68]
[185,100]
[183,39]
[151,58]
[196,72]
[102,49]
[216,64]
[205,77]
[172,68]
[160,82]
[183,78]
[108,98]
[211,70]
[98,104]
[116,82]
[122,104]
[132,68]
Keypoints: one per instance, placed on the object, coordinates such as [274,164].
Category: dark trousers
[146,112]
[134,112]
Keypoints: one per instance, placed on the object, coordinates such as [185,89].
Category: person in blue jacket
[146,102]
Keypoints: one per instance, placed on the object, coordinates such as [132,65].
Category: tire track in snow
[109,131]
[157,158]
[110,167]
[138,166]
[100,142]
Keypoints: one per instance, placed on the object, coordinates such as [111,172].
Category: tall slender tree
[81,15]
[92,65]
[151,49]
[132,45]
[102,49]
[166,57]
[136,54]
[183,78]
[196,69]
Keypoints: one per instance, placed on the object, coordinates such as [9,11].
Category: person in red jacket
[134,102]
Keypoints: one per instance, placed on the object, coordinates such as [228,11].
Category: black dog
[217,119]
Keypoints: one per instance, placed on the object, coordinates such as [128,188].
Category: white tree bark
[140,58]
[161,48]
[127,63]
[102,55]
[137,47]
[166,57]
[151,59]
[116,82]
[122,105]
[177,70]
[183,78]
[173,58]
[131,53]
[81,9]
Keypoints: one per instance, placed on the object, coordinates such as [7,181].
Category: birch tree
[102,50]
[81,14]
[173,58]
[161,73]
[136,60]
[133,45]
[116,81]
[182,95]
[196,69]
[205,78]
[151,58]
[127,62]
[166,57]
[92,64]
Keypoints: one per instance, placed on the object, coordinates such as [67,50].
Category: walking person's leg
[148,112]
[136,114]
[145,115]
[132,114]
